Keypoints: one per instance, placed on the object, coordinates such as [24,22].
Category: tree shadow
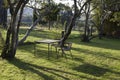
[44,54]
[78,59]
[105,43]
[93,70]
[41,70]
[26,48]
[39,50]
[96,53]
[40,33]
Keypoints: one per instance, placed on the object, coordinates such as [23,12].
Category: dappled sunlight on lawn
[97,60]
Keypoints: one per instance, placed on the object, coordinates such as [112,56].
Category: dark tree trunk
[68,32]
[101,27]
[101,20]
[70,26]
[10,45]
[3,15]
[85,37]
[18,25]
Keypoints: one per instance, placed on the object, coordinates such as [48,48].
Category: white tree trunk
[29,30]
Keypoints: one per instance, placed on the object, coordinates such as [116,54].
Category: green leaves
[116,18]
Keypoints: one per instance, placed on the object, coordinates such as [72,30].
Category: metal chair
[67,47]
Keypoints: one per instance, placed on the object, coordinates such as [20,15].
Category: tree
[11,42]
[41,14]
[65,15]
[88,22]
[51,13]
[69,27]
[29,30]
[105,19]
[76,14]
[85,36]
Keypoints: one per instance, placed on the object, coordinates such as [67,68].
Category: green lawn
[97,60]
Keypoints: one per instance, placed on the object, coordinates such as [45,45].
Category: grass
[97,60]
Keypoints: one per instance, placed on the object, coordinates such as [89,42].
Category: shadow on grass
[40,33]
[97,53]
[41,51]
[31,47]
[26,48]
[105,43]
[41,70]
[93,70]
[44,54]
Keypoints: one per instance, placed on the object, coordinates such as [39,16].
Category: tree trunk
[85,37]
[28,32]
[101,20]
[67,33]
[10,46]
[71,24]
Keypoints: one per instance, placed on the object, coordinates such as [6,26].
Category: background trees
[105,17]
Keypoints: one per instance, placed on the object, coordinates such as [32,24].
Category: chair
[67,47]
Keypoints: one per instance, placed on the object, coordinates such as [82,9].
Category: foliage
[50,12]
[108,11]
[116,18]
[96,18]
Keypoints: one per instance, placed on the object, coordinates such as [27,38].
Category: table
[46,41]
